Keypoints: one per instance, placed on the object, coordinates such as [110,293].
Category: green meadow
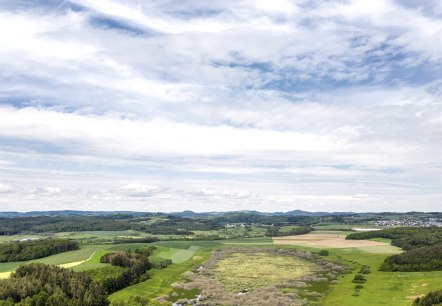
[381,288]
[188,256]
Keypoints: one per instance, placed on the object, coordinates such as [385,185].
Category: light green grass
[381,288]
[177,255]
[83,253]
[72,256]
[93,262]
[159,284]
[244,241]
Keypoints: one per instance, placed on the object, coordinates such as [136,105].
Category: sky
[171,105]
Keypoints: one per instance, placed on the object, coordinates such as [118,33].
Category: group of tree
[45,285]
[275,231]
[421,259]
[27,250]
[431,298]
[118,240]
[127,268]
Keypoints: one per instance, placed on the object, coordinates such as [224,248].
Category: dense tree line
[135,239]
[27,250]
[406,238]
[432,298]
[421,259]
[45,285]
[275,231]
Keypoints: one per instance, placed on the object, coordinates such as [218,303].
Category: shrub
[359,278]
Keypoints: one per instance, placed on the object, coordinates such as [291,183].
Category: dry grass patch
[243,271]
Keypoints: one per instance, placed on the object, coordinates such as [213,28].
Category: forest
[275,231]
[40,284]
[420,259]
[27,250]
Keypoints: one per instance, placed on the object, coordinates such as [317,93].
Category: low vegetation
[259,277]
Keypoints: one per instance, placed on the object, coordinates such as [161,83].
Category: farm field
[334,240]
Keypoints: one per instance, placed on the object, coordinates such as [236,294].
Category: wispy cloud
[209,105]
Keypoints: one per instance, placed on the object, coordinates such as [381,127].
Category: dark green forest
[421,259]
[27,250]
[46,285]
[275,231]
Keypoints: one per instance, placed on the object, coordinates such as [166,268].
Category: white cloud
[5,188]
[139,190]
[49,190]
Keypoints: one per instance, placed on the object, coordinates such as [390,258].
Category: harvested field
[326,241]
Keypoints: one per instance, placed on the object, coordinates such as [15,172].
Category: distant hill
[297,212]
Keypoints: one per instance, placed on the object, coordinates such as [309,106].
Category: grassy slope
[82,254]
[381,288]
[159,284]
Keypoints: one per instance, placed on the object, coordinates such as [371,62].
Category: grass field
[79,260]
[381,288]
[72,256]
[188,256]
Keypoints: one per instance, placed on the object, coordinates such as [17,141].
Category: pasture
[381,288]
[188,256]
